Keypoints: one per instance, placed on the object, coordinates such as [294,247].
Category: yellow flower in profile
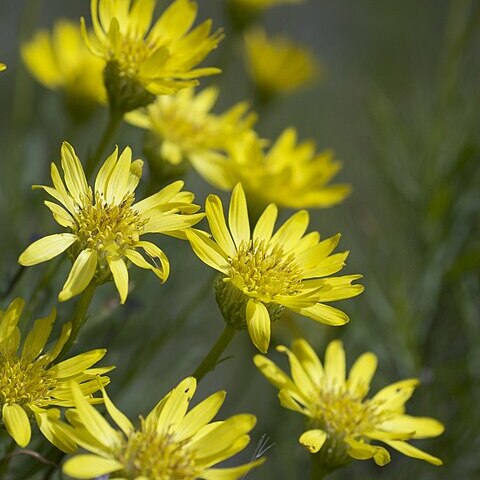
[61,61]
[291,174]
[264,273]
[170,443]
[185,128]
[278,65]
[341,421]
[160,59]
[106,224]
[30,383]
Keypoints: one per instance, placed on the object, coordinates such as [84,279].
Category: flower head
[290,174]
[106,224]
[30,384]
[61,61]
[159,59]
[342,420]
[169,444]
[278,65]
[184,128]
[264,273]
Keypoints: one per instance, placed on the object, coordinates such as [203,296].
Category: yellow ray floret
[30,382]
[61,61]
[263,272]
[2,67]
[342,421]
[278,65]
[105,224]
[161,57]
[170,443]
[185,128]
[290,174]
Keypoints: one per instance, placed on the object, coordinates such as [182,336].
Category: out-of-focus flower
[30,384]
[61,61]
[277,65]
[182,127]
[262,274]
[2,67]
[170,443]
[106,224]
[341,421]
[290,174]
[143,59]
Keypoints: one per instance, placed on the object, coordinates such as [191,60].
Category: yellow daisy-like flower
[106,224]
[161,58]
[30,384]
[290,174]
[61,61]
[278,65]
[342,421]
[264,273]
[185,128]
[170,443]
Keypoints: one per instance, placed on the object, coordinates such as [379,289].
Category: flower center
[108,227]
[130,55]
[150,455]
[23,382]
[261,270]
[345,415]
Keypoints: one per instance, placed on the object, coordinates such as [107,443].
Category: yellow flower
[342,421]
[61,61]
[30,383]
[185,128]
[264,273]
[278,65]
[170,443]
[106,224]
[161,58]
[2,67]
[290,174]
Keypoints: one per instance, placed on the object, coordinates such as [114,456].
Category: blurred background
[398,100]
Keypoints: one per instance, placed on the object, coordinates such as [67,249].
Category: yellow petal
[218,226]
[233,473]
[258,324]
[393,397]
[80,275]
[207,250]
[313,440]
[308,359]
[264,228]
[325,314]
[73,172]
[238,216]
[335,363]
[424,427]
[290,233]
[275,375]
[411,451]
[103,175]
[76,365]
[46,248]
[300,377]
[17,423]
[120,276]
[118,417]
[361,374]
[38,336]
[90,466]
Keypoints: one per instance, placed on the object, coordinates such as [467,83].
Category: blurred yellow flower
[106,224]
[291,174]
[184,128]
[61,61]
[264,273]
[160,59]
[30,383]
[2,67]
[170,443]
[278,65]
[342,422]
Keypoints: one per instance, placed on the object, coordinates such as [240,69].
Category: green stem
[210,361]
[7,457]
[13,282]
[115,118]
[79,318]
[319,472]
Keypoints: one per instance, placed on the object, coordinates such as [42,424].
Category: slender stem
[79,318]
[13,281]
[7,457]
[210,361]
[116,117]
